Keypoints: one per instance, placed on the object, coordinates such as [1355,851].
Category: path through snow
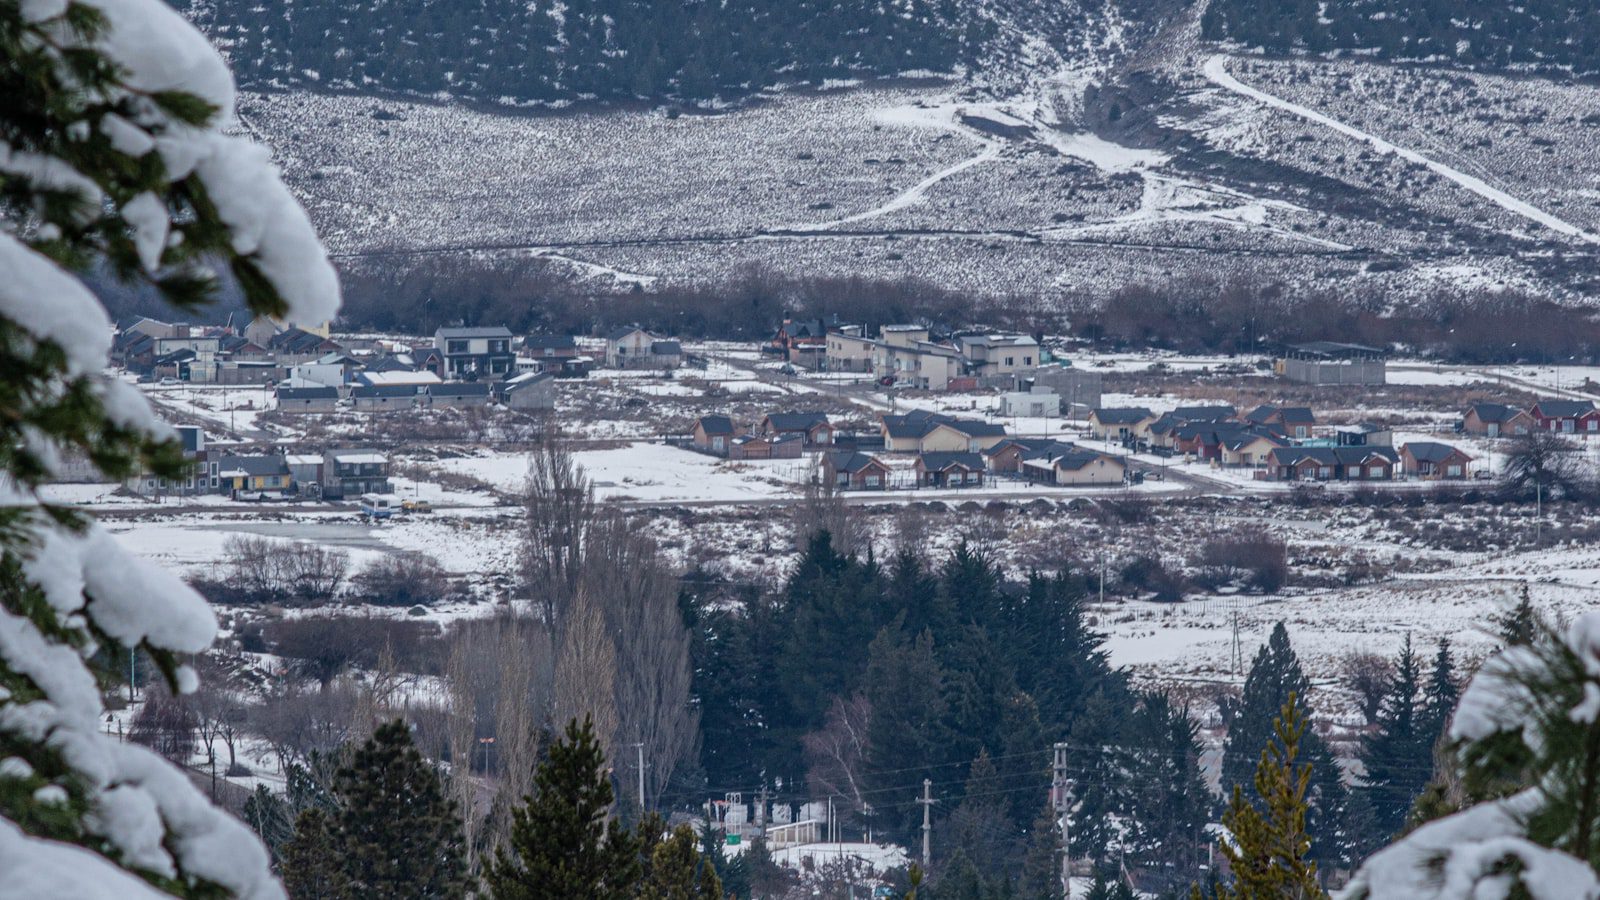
[917,192]
[1215,69]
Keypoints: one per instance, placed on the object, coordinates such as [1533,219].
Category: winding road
[1216,70]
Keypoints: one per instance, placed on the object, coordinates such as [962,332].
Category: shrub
[401,579]
[1253,558]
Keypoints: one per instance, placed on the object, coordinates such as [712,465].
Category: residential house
[1364,434]
[1076,467]
[297,345]
[1330,362]
[987,355]
[847,470]
[305,473]
[457,394]
[1496,420]
[918,364]
[1006,457]
[415,378]
[1332,463]
[253,474]
[1033,404]
[474,353]
[308,399]
[1433,460]
[766,446]
[1295,421]
[1246,448]
[351,473]
[1566,416]
[386,397]
[806,342]
[546,347]
[960,469]
[712,434]
[134,351]
[635,348]
[813,427]
[921,431]
[191,442]
[529,392]
[850,353]
[1120,423]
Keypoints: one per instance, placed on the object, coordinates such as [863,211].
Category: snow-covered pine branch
[113,156]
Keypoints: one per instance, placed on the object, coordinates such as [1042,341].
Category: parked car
[416,506]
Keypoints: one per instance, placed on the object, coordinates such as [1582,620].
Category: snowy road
[914,194]
[1215,69]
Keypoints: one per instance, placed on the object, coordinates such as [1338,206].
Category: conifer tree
[1519,625]
[311,863]
[1398,754]
[1440,695]
[677,872]
[1270,852]
[1274,676]
[396,834]
[1040,875]
[563,841]
[115,163]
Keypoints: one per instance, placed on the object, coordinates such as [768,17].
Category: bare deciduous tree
[836,752]
[586,668]
[822,508]
[1367,675]
[260,569]
[560,510]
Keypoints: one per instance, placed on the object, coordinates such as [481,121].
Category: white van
[379,506]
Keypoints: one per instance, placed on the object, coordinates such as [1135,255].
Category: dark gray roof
[975,428]
[488,331]
[796,421]
[384,390]
[716,424]
[1494,412]
[846,461]
[1333,456]
[1203,413]
[617,334]
[459,389]
[550,342]
[513,385]
[1079,458]
[254,465]
[1334,349]
[937,462]
[1127,415]
[666,348]
[1431,451]
[308,393]
[1563,409]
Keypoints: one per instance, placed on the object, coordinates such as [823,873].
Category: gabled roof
[975,428]
[666,348]
[1266,412]
[938,462]
[308,393]
[1432,451]
[1027,445]
[266,464]
[1121,415]
[796,421]
[550,342]
[1494,412]
[393,362]
[851,462]
[617,334]
[298,340]
[487,331]
[1332,456]
[1563,409]
[1238,440]
[716,424]
[525,380]
[459,389]
[1203,413]
[374,391]
[1079,458]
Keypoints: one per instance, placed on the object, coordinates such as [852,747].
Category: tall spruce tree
[564,842]
[115,163]
[1040,875]
[1518,625]
[1274,676]
[395,833]
[1440,695]
[677,871]
[1270,854]
[311,864]
[1398,754]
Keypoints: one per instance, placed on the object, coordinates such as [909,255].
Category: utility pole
[1237,657]
[927,802]
[1060,803]
[761,810]
[640,747]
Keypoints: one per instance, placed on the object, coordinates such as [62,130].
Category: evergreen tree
[115,163]
[1526,763]
[1440,695]
[1099,889]
[1172,802]
[829,612]
[733,874]
[396,834]
[1274,676]
[1270,852]
[311,863]
[1040,875]
[906,736]
[563,842]
[677,872]
[1518,626]
[1398,753]
[976,826]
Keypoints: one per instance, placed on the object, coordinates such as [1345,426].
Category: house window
[455,347]
[1011,360]
[873,481]
[1027,360]
[497,346]
[1453,471]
